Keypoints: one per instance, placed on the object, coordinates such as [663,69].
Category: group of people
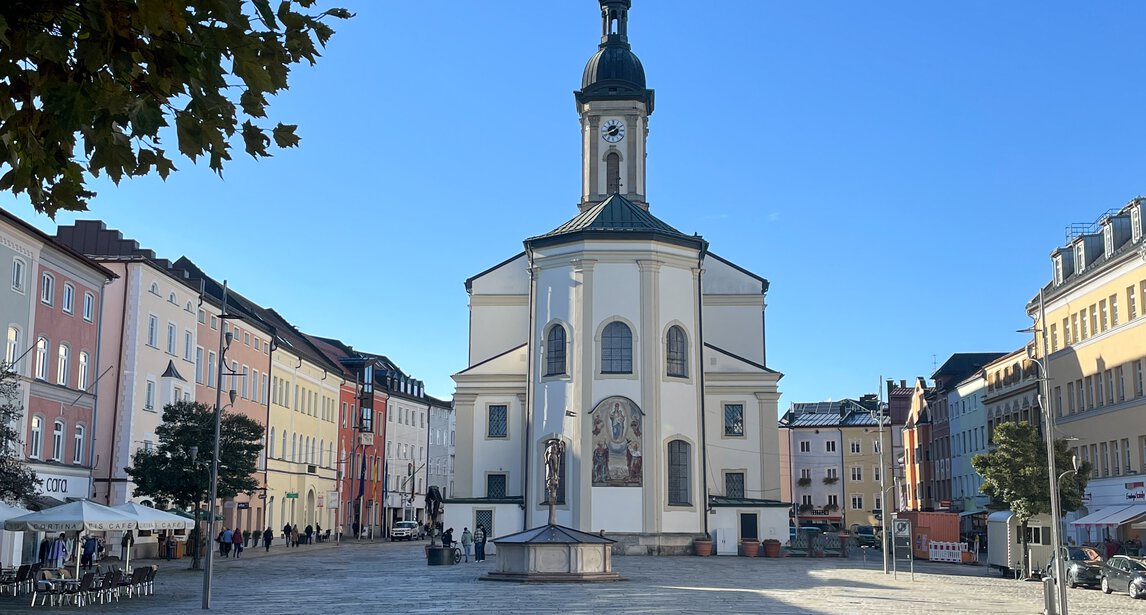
[230,543]
[294,537]
[476,539]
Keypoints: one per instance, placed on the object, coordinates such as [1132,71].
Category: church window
[555,351]
[734,484]
[484,518]
[495,485]
[498,426]
[617,349]
[612,173]
[734,419]
[677,352]
[678,479]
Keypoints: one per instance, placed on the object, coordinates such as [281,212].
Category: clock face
[613,131]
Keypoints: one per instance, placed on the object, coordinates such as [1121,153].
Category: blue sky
[899,171]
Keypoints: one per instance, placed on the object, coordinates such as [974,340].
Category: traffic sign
[292,495]
[901,527]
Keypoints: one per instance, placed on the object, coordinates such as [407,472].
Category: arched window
[42,358]
[69,302]
[678,470]
[58,440]
[62,365]
[36,441]
[82,374]
[677,352]
[555,351]
[612,173]
[78,445]
[47,288]
[330,455]
[271,443]
[283,450]
[321,448]
[173,299]
[617,349]
[294,447]
[154,288]
[13,349]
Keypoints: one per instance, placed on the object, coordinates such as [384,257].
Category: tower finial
[615,22]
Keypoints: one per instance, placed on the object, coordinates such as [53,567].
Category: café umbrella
[149,518]
[81,516]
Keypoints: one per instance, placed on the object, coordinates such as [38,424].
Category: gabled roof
[842,413]
[616,218]
[963,364]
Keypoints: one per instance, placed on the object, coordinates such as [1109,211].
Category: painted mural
[617,451]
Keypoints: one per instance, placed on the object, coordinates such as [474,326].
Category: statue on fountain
[433,514]
[554,451]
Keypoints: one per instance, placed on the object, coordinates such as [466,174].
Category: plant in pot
[750,548]
[804,481]
[771,547]
[830,508]
[806,509]
[702,546]
[831,480]
[246,538]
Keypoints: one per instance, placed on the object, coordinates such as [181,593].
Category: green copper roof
[615,218]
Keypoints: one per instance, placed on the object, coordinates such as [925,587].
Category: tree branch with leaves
[17,481]
[105,77]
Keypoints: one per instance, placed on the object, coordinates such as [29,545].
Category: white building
[632,343]
[440,456]
[407,431]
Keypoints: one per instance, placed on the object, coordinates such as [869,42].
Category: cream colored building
[1095,337]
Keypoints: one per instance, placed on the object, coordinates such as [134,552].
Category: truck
[1005,544]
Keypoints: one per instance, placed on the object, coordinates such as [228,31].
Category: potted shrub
[806,509]
[750,548]
[831,480]
[771,547]
[702,546]
[246,538]
[804,481]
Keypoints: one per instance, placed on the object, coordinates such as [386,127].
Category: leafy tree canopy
[167,474]
[17,481]
[107,75]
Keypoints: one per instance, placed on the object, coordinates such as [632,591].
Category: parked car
[1083,567]
[404,530]
[1123,573]
[867,536]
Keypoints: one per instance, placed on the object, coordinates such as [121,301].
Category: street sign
[244,506]
[901,527]
[366,438]
[292,495]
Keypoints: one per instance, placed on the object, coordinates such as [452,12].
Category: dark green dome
[614,66]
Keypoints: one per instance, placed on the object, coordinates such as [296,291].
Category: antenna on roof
[934,364]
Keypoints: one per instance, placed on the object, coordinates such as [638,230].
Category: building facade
[441,449]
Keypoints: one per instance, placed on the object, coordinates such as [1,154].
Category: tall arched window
[612,173]
[677,354]
[62,365]
[82,374]
[36,441]
[271,443]
[617,349]
[678,470]
[47,288]
[321,448]
[42,358]
[294,447]
[555,351]
[78,445]
[58,441]
[283,450]
[12,350]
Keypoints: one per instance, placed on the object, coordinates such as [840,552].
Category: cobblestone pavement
[393,578]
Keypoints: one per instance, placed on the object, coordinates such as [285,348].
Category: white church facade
[630,341]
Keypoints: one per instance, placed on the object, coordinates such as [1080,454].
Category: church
[630,341]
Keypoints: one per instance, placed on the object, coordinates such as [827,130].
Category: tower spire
[615,22]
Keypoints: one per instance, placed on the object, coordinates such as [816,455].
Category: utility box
[726,541]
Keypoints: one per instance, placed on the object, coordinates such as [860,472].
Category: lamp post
[882,489]
[225,339]
[194,453]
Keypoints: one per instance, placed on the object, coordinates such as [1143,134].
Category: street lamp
[225,339]
[194,453]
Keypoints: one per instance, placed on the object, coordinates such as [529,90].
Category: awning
[1112,516]
[968,513]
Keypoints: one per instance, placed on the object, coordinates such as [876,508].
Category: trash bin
[180,549]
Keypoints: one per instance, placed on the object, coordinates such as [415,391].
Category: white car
[404,530]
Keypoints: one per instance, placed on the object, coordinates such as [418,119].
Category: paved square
[393,578]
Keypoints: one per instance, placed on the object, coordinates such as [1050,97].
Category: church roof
[616,218]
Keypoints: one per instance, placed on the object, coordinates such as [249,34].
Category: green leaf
[268,15]
[284,135]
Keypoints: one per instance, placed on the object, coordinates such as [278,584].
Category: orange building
[917,450]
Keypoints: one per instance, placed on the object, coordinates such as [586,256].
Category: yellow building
[302,432]
[1094,337]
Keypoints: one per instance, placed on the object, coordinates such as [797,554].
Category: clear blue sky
[899,171]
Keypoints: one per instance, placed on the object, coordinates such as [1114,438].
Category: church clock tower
[614,106]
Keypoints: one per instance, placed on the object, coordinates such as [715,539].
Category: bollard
[1050,596]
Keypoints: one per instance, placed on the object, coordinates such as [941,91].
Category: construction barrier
[946,551]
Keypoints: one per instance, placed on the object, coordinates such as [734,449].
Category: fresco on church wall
[617,450]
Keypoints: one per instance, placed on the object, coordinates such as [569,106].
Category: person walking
[479,543]
[237,541]
[309,531]
[467,540]
[88,552]
[268,536]
[58,552]
[318,532]
[448,537]
[225,542]
[294,535]
[286,533]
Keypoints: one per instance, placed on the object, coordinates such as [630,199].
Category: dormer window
[1108,239]
[1057,269]
[1080,256]
[1136,223]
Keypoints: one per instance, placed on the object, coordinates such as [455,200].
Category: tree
[1016,472]
[167,473]
[17,480]
[117,72]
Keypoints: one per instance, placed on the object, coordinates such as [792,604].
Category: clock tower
[614,106]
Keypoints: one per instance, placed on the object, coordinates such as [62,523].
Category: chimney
[903,383]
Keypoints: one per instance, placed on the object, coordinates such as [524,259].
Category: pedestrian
[354,526]
[286,533]
[237,541]
[45,550]
[124,544]
[268,536]
[467,540]
[309,532]
[169,544]
[479,543]
[225,542]
[58,552]
[338,533]
[448,537]
[318,531]
[294,534]
[89,550]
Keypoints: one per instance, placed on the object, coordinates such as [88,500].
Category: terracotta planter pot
[750,548]
[771,548]
[703,548]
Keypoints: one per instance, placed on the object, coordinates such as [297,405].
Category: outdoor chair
[42,585]
[134,585]
[19,583]
[149,580]
[99,590]
[110,589]
[77,593]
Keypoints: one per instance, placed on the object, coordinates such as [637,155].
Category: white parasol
[78,517]
[151,519]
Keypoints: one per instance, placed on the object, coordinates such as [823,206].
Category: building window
[171,338]
[734,484]
[212,371]
[833,500]
[69,302]
[187,345]
[805,446]
[830,446]
[678,478]
[172,299]
[617,349]
[875,473]
[19,275]
[484,518]
[149,397]
[246,338]
[89,307]
[36,441]
[199,365]
[495,486]
[555,351]
[806,500]
[734,420]
[152,331]
[677,355]
[78,445]
[1114,310]
[857,473]
[857,502]
[42,358]
[12,350]
[855,446]
[246,376]
[47,288]
[82,372]
[57,441]
[498,423]
[612,173]
[831,474]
